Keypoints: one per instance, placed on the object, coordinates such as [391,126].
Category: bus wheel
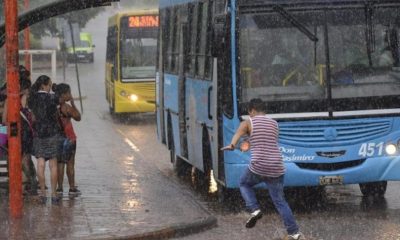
[376,189]
[201,180]
[111,108]
[180,166]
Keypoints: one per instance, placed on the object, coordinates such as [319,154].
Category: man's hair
[256,104]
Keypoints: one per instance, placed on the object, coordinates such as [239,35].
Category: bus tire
[376,189]
[111,108]
[203,178]
[180,166]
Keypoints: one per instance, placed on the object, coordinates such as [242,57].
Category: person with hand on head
[266,165]
[67,156]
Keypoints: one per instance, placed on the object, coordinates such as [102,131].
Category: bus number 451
[369,149]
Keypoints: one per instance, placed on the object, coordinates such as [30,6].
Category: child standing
[67,154]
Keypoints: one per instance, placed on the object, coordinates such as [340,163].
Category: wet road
[339,212]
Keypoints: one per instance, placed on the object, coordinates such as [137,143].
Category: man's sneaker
[255,215]
[296,236]
[75,191]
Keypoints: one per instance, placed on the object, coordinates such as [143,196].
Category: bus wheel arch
[180,166]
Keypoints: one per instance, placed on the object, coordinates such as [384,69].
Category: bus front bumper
[370,170]
[139,106]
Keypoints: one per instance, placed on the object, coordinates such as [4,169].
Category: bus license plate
[331,180]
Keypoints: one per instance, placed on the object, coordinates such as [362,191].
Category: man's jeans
[275,188]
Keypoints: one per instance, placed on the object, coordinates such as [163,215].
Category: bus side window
[172,41]
[112,50]
[193,23]
[225,71]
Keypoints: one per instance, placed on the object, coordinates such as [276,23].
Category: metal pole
[13,101]
[76,65]
[27,45]
[53,65]
[64,56]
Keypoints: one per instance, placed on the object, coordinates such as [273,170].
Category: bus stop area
[96,215]
[123,195]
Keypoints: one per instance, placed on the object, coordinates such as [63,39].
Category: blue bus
[328,71]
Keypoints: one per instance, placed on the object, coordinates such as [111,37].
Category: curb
[175,230]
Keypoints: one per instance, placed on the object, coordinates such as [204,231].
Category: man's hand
[230,147]
[245,146]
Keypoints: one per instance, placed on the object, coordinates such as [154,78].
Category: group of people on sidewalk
[47,134]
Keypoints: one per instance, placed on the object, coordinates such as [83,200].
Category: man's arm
[241,131]
[71,111]
[75,114]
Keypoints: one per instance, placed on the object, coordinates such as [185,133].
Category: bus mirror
[218,37]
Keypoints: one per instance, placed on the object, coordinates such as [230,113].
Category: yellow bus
[131,60]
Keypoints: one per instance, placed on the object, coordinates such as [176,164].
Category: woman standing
[67,112]
[47,128]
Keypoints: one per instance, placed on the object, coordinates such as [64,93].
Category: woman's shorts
[47,148]
[67,150]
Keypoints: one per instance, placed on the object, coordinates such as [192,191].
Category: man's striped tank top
[266,158]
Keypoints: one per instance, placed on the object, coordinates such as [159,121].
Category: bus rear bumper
[371,170]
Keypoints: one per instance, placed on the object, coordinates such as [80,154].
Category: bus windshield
[138,53]
[281,65]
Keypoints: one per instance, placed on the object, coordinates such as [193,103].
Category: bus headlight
[133,97]
[390,149]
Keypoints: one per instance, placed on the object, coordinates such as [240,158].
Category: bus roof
[311,2]
[167,3]
[113,20]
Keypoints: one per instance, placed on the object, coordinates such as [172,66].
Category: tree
[49,27]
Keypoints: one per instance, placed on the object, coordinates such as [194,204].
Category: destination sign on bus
[143,21]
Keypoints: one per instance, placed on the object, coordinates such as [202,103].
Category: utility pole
[27,57]
[76,63]
[13,101]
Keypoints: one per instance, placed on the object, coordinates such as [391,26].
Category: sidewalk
[124,196]
[93,218]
